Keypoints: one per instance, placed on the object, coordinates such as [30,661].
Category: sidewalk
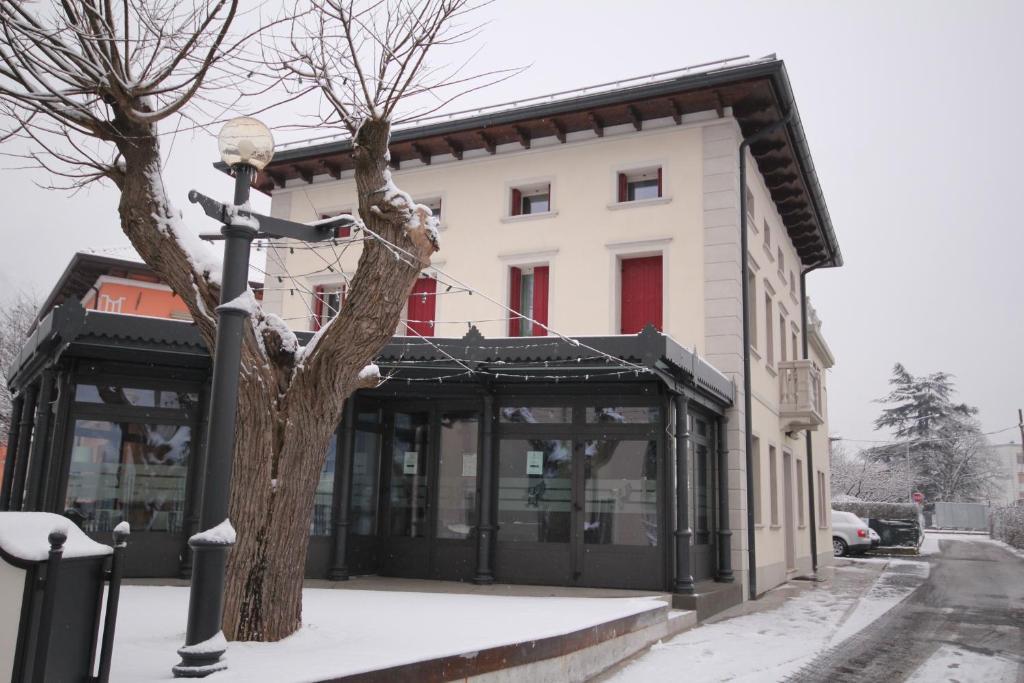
[773,637]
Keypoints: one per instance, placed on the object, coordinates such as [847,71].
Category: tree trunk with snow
[283,435]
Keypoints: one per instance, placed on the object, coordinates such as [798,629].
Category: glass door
[702,501]
[453,546]
[408,494]
[618,535]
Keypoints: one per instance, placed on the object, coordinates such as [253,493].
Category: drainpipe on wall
[745,295]
[807,433]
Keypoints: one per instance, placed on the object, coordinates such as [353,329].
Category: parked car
[850,534]
[875,538]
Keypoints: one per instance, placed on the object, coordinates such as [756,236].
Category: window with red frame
[530,199]
[345,231]
[528,298]
[640,292]
[420,309]
[327,302]
[639,185]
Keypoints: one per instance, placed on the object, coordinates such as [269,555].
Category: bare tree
[16,318]
[87,83]
[856,476]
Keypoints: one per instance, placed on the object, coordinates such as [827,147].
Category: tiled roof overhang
[758,93]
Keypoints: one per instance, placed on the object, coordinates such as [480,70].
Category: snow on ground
[770,645]
[348,631]
[932,538]
[952,664]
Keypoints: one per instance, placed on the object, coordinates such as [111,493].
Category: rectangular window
[782,338]
[421,308]
[639,185]
[366,458]
[755,467]
[800,492]
[434,204]
[530,199]
[342,231]
[528,299]
[773,482]
[640,293]
[129,471]
[320,524]
[750,207]
[327,303]
[795,347]
[752,307]
[767,236]
[769,334]
[620,484]
[792,283]
[781,258]
[535,490]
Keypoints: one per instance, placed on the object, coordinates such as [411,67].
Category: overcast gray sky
[911,109]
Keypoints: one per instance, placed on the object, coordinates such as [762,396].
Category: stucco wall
[696,228]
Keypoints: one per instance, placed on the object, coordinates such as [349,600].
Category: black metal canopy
[647,355]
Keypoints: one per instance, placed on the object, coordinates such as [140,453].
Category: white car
[849,534]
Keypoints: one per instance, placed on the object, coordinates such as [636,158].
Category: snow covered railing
[52,581]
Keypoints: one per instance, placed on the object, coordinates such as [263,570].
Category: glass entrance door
[408,494]
[431,493]
[619,520]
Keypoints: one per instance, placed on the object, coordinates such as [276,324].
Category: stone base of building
[709,598]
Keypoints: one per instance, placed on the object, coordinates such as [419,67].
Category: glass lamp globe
[245,140]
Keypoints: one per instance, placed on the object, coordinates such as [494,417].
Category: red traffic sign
[917,496]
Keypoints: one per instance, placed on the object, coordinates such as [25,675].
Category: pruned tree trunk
[283,436]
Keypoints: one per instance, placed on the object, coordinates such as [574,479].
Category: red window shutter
[517,202]
[514,292]
[623,187]
[641,294]
[318,307]
[422,305]
[659,181]
[338,232]
[540,300]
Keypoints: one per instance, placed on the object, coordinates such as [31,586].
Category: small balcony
[799,395]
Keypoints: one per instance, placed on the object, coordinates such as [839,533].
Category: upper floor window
[767,236]
[434,204]
[640,288]
[769,340]
[640,184]
[530,199]
[752,308]
[345,231]
[750,206]
[327,303]
[792,283]
[782,262]
[528,299]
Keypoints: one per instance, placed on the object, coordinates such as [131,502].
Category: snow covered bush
[1008,525]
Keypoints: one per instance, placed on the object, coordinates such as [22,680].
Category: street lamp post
[910,474]
[246,146]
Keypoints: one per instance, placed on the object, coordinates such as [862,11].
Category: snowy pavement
[773,644]
[350,631]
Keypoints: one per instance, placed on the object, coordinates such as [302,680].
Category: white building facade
[600,213]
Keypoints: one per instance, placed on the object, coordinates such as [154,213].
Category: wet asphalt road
[973,600]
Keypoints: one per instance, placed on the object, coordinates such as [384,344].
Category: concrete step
[709,598]
[572,657]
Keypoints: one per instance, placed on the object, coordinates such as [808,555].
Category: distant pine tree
[940,441]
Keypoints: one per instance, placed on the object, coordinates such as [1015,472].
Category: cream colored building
[553,183]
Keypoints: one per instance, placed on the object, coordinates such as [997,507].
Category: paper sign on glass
[411,465]
[534,462]
[469,464]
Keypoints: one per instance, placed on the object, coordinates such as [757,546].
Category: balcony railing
[799,395]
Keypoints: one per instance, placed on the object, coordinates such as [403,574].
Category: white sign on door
[469,464]
[411,464]
[534,462]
